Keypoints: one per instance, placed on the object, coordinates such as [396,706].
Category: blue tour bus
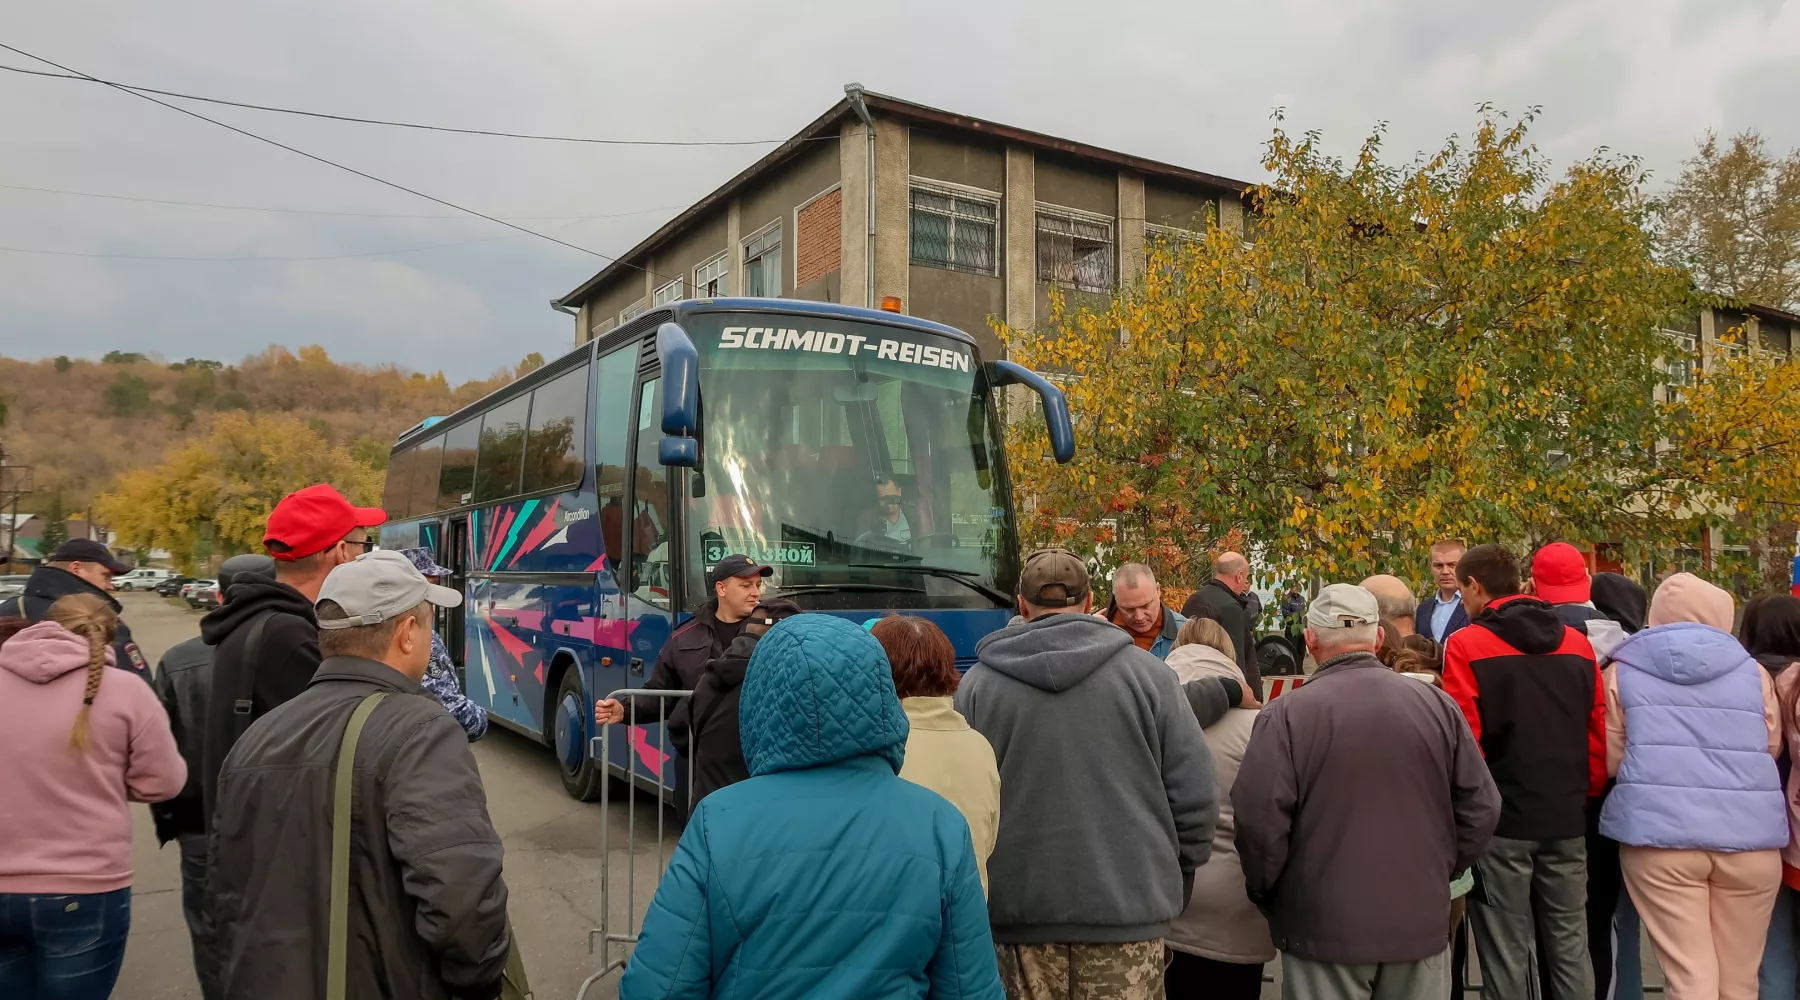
[582,506]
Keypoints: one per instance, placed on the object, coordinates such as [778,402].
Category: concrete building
[959,218]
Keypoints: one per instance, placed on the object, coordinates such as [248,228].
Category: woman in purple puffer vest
[1693,730]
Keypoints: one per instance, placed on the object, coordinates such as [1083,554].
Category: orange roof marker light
[890,303]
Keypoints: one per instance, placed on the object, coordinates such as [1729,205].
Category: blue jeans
[62,947]
[1780,967]
[1628,955]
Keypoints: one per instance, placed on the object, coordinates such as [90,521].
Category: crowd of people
[1100,807]
[300,878]
[1556,757]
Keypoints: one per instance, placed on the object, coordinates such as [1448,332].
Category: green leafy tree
[63,364]
[56,525]
[1733,219]
[1466,346]
[127,396]
[123,358]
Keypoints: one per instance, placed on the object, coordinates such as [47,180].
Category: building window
[954,229]
[603,328]
[762,263]
[1074,249]
[1679,365]
[712,279]
[632,311]
[668,293]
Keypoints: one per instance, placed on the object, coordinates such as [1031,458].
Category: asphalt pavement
[552,856]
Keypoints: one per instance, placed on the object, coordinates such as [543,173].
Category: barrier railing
[648,762]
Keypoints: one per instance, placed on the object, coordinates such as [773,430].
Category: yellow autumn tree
[1464,346]
[212,497]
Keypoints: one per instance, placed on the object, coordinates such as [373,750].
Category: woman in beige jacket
[1221,940]
[942,752]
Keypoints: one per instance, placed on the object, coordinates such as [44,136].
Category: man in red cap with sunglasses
[265,637]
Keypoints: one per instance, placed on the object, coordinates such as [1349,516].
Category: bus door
[648,532]
[455,558]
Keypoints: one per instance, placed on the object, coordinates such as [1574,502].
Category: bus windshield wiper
[828,588]
[962,576]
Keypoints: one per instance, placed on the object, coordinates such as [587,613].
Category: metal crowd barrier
[638,753]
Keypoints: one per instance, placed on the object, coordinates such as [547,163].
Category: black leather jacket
[183,680]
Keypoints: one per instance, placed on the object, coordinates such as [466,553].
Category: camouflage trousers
[1129,971]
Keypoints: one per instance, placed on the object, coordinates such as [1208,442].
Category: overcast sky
[1185,81]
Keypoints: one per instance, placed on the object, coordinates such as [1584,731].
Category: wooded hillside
[82,423]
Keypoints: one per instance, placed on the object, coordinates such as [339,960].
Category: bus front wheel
[582,773]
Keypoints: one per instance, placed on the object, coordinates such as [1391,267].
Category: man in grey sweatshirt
[1107,794]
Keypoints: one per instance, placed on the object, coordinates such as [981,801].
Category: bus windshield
[861,461]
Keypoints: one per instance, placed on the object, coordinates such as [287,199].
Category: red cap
[314,519]
[1560,575]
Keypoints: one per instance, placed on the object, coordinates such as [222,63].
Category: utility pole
[15,482]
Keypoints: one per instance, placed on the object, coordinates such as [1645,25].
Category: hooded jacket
[427,906]
[1602,632]
[945,754]
[1220,922]
[288,659]
[1619,598]
[1699,769]
[67,826]
[824,875]
[1360,796]
[1531,691]
[48,583]
[1108,800]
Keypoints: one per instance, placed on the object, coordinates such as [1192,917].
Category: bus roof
[676,311]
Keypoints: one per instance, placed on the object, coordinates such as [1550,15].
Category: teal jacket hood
[819,690]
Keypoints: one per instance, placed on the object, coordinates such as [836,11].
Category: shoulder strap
[246,689]
[344,780]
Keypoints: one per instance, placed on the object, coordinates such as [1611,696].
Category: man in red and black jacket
[1531,691]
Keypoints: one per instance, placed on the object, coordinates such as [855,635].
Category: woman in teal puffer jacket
[825,874]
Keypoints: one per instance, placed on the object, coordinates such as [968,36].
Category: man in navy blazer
[1441,614]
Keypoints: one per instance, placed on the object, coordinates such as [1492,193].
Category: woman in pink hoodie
[79,743]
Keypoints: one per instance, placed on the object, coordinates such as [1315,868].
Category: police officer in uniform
[78,566]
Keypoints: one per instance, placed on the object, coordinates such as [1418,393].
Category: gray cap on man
[380,586]
[1343,605]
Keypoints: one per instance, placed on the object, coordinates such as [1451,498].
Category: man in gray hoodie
[1107,794]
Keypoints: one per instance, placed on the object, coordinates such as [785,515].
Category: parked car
[12,586]
[142,578]
[173,585]
[195,593]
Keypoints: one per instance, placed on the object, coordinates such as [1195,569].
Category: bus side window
[612,417]
[649,523]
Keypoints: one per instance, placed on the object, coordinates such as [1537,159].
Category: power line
[84,78]
[335,256]
[332,163]
[320,211]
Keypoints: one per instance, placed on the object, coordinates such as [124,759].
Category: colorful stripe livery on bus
[766,427]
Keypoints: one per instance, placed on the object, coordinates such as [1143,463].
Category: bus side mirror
[681,397]
[1056,407]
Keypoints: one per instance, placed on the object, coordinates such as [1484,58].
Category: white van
[141,579]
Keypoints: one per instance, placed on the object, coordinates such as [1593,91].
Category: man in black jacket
[183,685]
[426,907]
[714,742]
[1222,599]
[78,566]
[737,587]
[310,532]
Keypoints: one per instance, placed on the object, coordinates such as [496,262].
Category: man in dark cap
[79,566]
[183,684]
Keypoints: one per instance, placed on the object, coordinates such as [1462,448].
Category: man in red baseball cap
[1560,578]
[265,637]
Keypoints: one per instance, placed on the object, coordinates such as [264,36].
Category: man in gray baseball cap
[428,898]
[1360,797]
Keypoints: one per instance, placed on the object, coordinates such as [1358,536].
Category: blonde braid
[93,619]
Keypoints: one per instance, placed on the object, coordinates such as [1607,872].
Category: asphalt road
[552,856]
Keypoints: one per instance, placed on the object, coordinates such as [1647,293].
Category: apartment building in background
[970,219]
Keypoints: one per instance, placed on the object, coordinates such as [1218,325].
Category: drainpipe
[559,306]
[854,91]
